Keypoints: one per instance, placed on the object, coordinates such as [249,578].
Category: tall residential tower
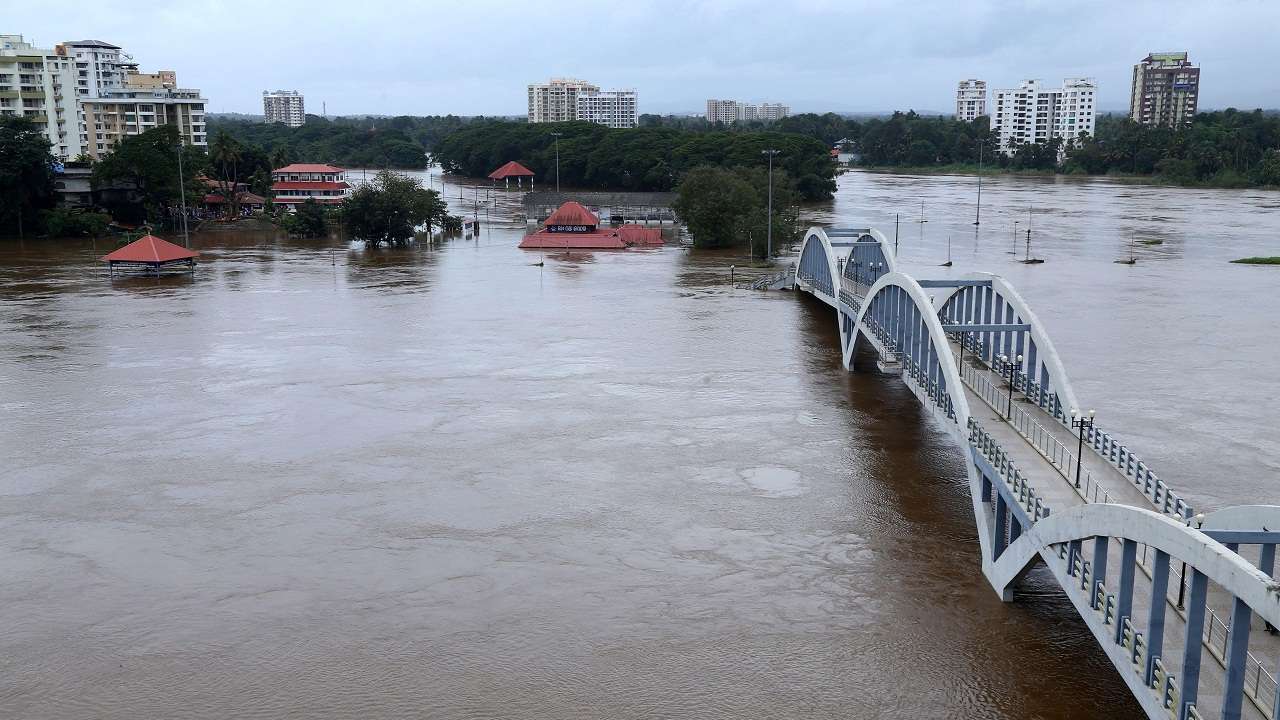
[1166,90]
[283,106]
[1030,113]
[566,99]
[971,100]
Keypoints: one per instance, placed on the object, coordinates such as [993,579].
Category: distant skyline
[377,57]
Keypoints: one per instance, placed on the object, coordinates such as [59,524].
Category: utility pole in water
[182,193]
[895,236]
[977,218]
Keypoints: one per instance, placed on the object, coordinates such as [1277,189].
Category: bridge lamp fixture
[1013,369]
[1080,422]
[1182,579]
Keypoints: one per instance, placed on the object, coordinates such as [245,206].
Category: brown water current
[321,481]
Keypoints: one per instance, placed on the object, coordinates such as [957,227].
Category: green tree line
[642,159]
[395,142]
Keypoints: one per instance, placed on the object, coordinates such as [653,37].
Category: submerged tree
[308,221]
[26,175]
[730,208]
[390,208]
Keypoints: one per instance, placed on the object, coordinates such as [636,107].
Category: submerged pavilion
[575,227]
[151,253]
[515,170]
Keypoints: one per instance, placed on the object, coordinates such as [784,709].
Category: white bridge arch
[968,347]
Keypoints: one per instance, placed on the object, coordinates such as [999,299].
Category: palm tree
[225,153]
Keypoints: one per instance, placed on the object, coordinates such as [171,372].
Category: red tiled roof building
[294,184]
[574,226]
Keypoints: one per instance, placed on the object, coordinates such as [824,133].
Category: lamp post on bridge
[1004,360]
[1081,422]
[1182,578]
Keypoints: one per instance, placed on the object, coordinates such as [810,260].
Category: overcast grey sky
[476,56]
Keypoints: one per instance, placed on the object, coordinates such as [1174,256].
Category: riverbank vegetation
[26,175]
[728,207]
[389,209]
[636,159]
[394,142]
[1274,260]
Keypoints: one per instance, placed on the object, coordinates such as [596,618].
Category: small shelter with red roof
[151,253]
[573,226]
[515,170]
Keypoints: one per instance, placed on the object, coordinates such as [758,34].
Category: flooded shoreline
[318,480]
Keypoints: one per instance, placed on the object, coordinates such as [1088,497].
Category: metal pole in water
[977,218]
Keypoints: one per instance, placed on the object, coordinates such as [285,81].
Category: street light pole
[1182,578]
[769,222]
[977,218]
[1012,369]
[182,193]
[557,135]
[1079,421]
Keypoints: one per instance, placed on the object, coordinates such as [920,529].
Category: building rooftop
[92,43]
[308,168]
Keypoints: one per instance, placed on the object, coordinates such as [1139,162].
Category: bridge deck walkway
[1045,451]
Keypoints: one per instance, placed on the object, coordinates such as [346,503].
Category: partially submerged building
[572,226]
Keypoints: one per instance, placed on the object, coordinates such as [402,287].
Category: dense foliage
[1227,148]
[390,207]
[644,159]
[26,174]
[397,142]
[728,207]
[307,221]
[147,164]
[64,222]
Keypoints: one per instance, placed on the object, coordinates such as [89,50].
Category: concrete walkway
[1045,451]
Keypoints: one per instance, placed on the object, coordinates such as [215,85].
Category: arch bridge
[1181,600]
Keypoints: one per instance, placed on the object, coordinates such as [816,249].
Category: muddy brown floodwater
[319,481]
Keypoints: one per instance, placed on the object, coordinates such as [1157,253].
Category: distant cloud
[475,57]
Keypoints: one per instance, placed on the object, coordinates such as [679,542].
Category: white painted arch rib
[1225,568]
[819,235]
[937,337]
[1045,350]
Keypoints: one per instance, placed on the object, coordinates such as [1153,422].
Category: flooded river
[319,481]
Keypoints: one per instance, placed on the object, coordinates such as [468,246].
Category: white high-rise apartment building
[615,108]
[731,111]
[1030,113]
[566,99]
[971,100]
[557,100]
[39,84]
[284,106]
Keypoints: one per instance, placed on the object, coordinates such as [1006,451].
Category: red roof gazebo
[515,170]
[152,253]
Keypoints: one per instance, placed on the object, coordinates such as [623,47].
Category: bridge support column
[1155,622]
[1124,601]
[1267,560]
[1192,643]
[1099,569]
[1237,650]
[998,543]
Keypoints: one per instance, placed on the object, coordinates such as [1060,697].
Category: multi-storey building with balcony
[615,108]
[143,102]
[284,106]
[1031,113]
[40,84]
[557,99]
[567,99]
[1165,91]
[731,111]
[295,184]
[971,100]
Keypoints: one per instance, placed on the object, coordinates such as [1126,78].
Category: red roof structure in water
[572,213]
[511,169]
[574,226]
[150,250]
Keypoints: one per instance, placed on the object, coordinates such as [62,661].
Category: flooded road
[322,481]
